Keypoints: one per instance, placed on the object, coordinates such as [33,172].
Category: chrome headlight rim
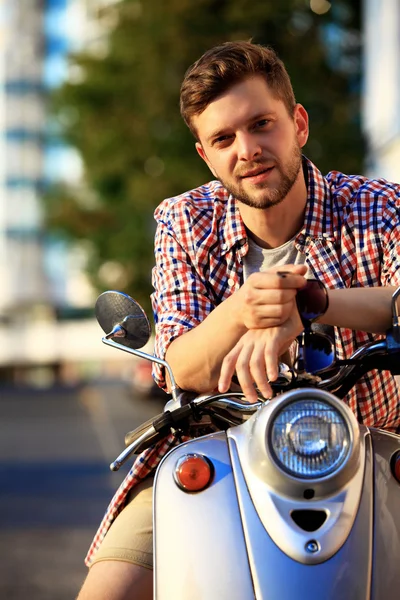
[335,404]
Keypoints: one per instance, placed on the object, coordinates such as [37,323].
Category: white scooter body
[236,540]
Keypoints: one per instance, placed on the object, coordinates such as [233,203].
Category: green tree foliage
[122,114]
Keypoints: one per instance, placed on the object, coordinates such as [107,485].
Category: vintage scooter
[282,500]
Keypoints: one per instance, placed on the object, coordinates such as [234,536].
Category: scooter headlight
[309,439]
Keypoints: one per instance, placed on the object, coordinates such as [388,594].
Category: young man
[220,300]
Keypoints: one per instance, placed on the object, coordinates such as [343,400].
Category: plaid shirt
[350,237]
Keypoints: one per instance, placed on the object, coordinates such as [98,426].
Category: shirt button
[231,282]
[223,246]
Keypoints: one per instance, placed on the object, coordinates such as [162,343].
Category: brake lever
[160,426]
[131,449]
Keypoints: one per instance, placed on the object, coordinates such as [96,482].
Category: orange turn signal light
[193,472]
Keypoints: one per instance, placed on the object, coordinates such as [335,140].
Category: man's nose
[248,147]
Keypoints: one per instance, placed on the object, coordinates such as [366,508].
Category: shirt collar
[233,230]
[318,221]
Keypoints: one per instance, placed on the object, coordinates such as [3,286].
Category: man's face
[251,143]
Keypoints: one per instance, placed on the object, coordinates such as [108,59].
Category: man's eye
[261,123]
[222,139]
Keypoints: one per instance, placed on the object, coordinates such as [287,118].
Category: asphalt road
[55,448]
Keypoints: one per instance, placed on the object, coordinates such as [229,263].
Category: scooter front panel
[199,547]
[276,576]
[336,505]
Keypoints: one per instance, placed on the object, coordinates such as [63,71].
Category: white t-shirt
[260,259]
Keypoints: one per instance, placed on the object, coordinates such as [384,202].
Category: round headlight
[309,439]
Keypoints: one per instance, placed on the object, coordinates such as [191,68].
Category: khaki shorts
[130,537]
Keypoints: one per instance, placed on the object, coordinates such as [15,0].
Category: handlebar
[353,368]
[383,354]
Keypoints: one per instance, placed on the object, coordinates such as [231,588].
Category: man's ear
[203,155]
[301,123]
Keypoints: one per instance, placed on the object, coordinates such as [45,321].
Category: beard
[271,196]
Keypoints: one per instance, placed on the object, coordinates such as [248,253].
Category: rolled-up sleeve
[180,300]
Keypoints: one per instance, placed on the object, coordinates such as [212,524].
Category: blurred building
[35,39]
[22,130]
[381,98]
[40,277]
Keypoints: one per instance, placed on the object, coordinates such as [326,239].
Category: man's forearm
[265,300]
[197,355]
[360,309]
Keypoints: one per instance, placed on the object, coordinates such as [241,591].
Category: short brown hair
[223,66]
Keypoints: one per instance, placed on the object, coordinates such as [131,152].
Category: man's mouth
[257,174]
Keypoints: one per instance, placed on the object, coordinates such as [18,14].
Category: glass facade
[33,61]
[22,124]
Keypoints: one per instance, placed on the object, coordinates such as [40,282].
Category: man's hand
[256,355]
[267,299]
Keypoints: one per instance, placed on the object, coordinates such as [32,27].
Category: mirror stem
[149,357]
[300,366]
[395,316]
[117,331]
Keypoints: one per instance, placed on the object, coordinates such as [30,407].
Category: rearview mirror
[122,319]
